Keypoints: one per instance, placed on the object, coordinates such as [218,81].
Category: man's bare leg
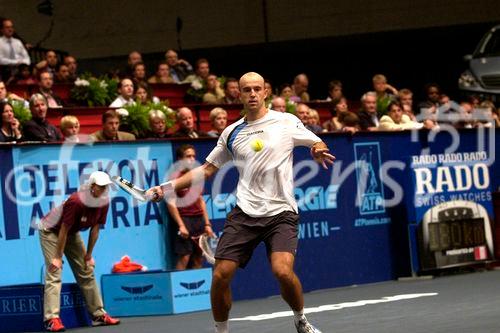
[220,293]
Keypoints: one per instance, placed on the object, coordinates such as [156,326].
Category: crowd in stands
[384,108]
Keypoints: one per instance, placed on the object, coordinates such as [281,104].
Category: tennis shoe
[54,325]
[105,320]
[303,326]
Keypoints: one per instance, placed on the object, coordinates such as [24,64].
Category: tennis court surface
[466,302]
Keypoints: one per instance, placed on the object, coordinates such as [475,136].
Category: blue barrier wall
[341,242]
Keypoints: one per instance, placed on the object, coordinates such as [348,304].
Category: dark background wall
[410,41]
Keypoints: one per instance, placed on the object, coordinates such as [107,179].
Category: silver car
[483,76]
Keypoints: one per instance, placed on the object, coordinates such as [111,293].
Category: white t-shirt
[265,186]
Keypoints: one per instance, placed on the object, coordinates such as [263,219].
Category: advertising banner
[41,177]
[453,205]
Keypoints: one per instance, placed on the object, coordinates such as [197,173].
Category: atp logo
[369,185]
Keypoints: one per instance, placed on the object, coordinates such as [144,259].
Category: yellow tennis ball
[257,145]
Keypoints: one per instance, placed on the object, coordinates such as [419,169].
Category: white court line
[334,307]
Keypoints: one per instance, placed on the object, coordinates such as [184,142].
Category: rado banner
[453,208]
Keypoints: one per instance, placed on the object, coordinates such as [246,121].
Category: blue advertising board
[21,308]
[157,293]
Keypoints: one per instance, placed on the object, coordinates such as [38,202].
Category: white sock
[221,327]
[298,315]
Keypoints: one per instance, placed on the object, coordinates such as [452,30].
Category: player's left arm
[321,154]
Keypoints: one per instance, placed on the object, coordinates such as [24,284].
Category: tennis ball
[257,145]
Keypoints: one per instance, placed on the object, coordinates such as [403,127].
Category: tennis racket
[137,192]
[208,246]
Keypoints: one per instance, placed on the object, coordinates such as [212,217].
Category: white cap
[100,178]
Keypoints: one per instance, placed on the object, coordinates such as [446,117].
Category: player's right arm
[194,176]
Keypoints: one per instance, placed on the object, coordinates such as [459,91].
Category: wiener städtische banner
[353,217]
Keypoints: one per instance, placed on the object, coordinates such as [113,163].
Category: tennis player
[261,146]
[60,233]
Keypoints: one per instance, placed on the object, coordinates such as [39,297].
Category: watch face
[455,233]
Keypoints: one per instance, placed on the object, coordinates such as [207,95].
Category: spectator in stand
[185,120]
[70,128]
[475,101]
[214,94]
[269,88]
[188,209]
[25,75]
[218,120]
[278,104]
[126,94]
[38,128]
[485,115]
[385,93]
[133,58]
[62,74]
[10,130]
[405,97]
[314,121]
[338,107]
[286,92]
[180,69]
[12,52]
[157,122]
[302,112]
[109,131]
[432,93]
[349,122]
[49,64]
[162,74]
[6,96]
[368,118]
[300,85]
[231,91]
[72,65]
[45,84]
[202,70]
[144,95]
[396,120]
[334,91]
[139,72]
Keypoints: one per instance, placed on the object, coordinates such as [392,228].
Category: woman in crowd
[157,123]
[338,107]
[143,94]
[10,130]
[395,120]
[218,119]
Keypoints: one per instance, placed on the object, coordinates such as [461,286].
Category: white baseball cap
[100,178]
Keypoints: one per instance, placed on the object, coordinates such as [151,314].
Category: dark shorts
[196,226]
[242,234]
